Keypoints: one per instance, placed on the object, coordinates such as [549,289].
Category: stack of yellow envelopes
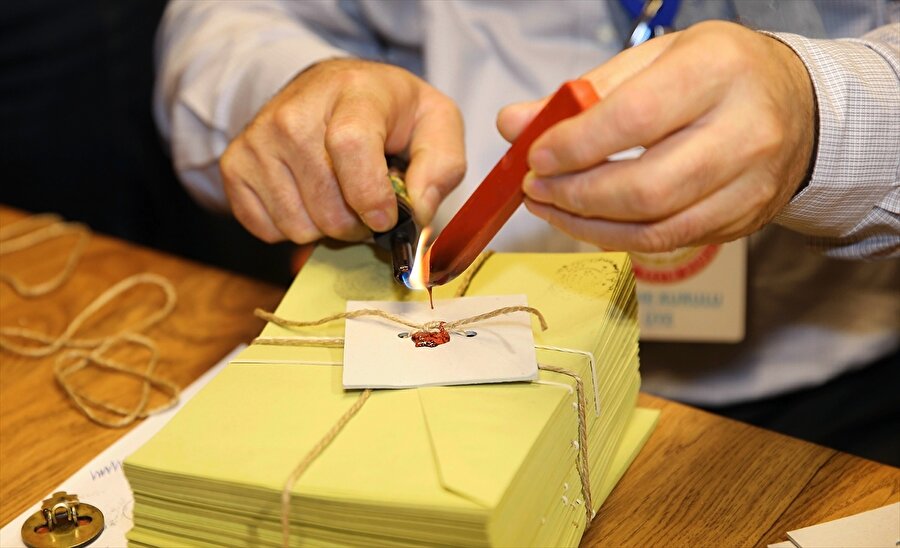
[463,465]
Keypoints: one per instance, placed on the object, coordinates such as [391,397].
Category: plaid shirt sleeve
[851,206]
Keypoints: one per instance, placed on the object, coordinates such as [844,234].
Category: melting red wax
[430,297]
[431,339]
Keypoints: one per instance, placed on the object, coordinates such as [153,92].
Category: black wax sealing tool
[401,240]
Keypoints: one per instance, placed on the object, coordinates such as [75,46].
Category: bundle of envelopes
[477,465]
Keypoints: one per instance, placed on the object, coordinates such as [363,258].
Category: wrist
[804,116]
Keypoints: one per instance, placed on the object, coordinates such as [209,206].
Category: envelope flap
[334,276]
[481,435]
[331,277]
[573,291]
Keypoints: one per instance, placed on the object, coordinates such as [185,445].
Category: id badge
[693,293]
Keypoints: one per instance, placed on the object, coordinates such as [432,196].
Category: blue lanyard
[665,17]
[650,18]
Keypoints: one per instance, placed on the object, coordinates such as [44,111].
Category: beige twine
[83,352]
[35,230]
[329,437]
[466,279]
[582,462]
[66,338]
[332,342]
[80,359]
[310,457]
[431,326]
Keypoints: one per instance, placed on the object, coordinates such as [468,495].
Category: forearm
[850,207]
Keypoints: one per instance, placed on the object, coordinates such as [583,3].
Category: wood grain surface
[704,480]
[43,438]
[701,480]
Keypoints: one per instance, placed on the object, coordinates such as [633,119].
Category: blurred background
[77,135]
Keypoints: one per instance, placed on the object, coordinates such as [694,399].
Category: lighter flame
[417,275]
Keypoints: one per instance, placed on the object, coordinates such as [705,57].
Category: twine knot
[434,326]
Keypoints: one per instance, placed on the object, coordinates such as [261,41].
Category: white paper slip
[873,529]
[102,482]
[378,355]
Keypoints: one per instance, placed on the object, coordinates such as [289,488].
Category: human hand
[727,116]
[312,161]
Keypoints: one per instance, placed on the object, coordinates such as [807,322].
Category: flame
[418,276]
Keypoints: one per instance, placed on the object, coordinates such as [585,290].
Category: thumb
[514,118]
[437,155]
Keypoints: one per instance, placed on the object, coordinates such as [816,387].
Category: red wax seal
[431,339]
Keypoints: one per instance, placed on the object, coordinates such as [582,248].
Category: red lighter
[500,194]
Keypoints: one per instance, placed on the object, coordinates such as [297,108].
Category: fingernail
[542,160]
[535,188]
[377,220]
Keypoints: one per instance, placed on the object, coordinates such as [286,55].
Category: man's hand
[312,161]
[727,117]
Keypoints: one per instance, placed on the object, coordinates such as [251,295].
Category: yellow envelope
[464,465]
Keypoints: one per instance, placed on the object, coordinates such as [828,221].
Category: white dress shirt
[811,317]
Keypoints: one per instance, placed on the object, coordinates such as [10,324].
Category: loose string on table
[582,464]
[74,361]
[35,230]
[80,353]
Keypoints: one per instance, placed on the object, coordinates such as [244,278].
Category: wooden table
[701,480]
